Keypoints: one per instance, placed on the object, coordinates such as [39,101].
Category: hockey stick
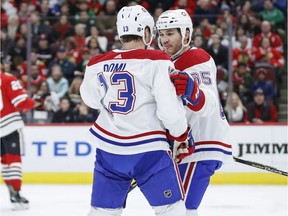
[261,166]
[249,163]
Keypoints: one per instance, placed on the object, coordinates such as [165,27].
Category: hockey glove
[182,146]
[188,89]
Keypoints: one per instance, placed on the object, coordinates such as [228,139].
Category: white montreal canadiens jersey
[136,98]
[210,128]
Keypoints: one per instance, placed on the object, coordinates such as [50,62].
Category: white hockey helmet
[133,20]
[176,19]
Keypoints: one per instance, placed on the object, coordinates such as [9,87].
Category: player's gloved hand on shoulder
[188,89]
[182,146]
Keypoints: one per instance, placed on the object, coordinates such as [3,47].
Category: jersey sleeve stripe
[19,99]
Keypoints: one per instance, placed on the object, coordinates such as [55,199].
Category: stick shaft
[261,166]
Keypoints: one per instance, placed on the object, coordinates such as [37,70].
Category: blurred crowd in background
[65,34]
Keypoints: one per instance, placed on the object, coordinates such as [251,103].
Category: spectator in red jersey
[205,27]
[243,53]
[79,35]
[74,53]
[14,98]
[23,12]
[276,41]
[268,54]
[62,29]
[260,111]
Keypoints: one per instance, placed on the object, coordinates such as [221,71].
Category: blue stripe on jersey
[126,144]
[213,149]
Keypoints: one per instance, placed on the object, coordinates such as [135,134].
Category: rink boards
[65,154]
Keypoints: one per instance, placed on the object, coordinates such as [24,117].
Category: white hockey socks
[174,209]
[105,212]
[191,212]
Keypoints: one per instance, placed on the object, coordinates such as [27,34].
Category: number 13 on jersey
[123,83]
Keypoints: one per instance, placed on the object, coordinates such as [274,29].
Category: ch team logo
[167,193]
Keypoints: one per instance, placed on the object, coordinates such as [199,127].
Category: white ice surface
[219,200]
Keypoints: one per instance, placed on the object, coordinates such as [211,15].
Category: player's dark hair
[129,38]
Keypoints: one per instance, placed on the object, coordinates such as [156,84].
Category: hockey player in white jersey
[197,88]
[137,103]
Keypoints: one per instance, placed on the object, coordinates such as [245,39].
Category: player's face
[171,40]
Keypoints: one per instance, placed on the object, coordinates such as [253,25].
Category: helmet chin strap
[144,40]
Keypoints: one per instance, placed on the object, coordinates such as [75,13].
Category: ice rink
[219,200]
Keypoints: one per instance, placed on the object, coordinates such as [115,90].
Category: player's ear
[187,35]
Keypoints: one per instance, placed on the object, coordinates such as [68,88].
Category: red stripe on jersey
[188,176]
[128,137]
[212,143]
[133,54]
[190,58]
[179,179]
[200,104]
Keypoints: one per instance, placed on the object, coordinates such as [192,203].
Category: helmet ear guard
[175,19]
[133,20]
